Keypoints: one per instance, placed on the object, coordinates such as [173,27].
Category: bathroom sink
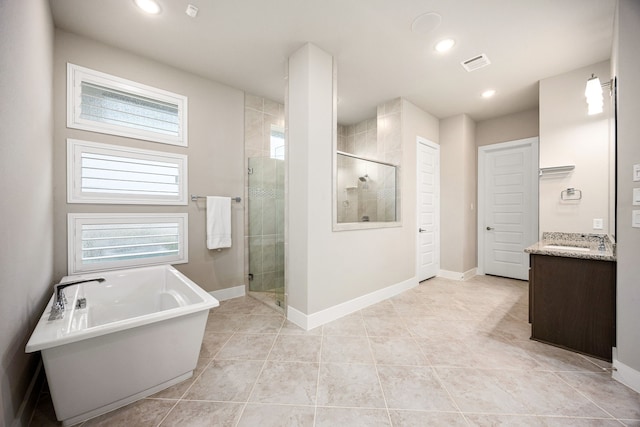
[567,248]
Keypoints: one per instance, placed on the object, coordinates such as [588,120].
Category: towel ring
[571,194]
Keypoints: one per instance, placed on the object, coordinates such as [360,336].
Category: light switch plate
[636,172]
[635,219]
[636,196]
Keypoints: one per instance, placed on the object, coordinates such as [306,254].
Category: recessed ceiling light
[488,93]
[445,45]
[149,6]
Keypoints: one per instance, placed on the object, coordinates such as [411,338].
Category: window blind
[105,173]
[126,175]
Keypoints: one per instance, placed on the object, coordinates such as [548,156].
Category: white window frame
[76,75]
[75,149]
[75,221]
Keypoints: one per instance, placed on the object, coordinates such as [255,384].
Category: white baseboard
[229,293]
[625,374]
[297,317]
[451,275]
[469,274]
[454,275]
[330,314]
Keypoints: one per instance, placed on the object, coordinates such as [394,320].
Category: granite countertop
[589,244]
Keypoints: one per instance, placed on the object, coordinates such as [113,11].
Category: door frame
[533,142]
[430,144]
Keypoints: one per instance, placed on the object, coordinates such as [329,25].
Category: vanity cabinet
[572,303]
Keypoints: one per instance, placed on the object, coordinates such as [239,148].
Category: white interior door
[428,202]
[508,199]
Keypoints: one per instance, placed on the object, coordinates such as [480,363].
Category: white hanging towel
[218,222]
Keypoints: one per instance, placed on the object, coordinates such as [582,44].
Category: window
[104,103]
[277,142]
[111,241]
[104,173]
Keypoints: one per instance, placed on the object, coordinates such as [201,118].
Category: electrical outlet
[636,172]
[598,224]
[636,196]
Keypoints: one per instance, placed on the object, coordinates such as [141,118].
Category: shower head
[363,178]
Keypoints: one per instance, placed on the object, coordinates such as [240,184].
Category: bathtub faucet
[59,300]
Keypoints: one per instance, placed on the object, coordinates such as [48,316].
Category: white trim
[330,314]
[297,317]
[77,74]
[229,293]
[455,275]
[433,145]
[482,151]
[470,273]
[625,374]
[75,149]
[74,243]
[451,275]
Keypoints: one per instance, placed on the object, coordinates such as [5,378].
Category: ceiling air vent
[476,62]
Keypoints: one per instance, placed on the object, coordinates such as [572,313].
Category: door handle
[421,230]
[489,228]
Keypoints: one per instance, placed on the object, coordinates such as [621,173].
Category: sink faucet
[601,246]
[59,300]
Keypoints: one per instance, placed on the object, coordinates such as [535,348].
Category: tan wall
[511,127]
[470,200]
[26,229]
[626,63]
[458,165]
[569,136]
[327,268]
[215,152]
[415,123]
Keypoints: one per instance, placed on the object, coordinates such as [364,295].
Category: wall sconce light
[593,93]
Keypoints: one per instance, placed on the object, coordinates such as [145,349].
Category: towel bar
[195,197]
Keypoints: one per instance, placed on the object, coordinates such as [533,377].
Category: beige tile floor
[443,354]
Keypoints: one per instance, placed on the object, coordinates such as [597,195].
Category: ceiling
[246,43]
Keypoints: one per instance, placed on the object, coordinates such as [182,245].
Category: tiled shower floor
[443,354]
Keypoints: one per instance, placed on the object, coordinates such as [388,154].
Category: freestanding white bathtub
[140,332]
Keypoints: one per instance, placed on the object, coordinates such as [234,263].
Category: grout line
[168,412]
[315,409]
[375,365]
[584,395]
[433,370]
[261,370]
[181,398]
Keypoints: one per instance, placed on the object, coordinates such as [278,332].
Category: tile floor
[443,354]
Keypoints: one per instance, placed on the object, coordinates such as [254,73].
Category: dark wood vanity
[572,300]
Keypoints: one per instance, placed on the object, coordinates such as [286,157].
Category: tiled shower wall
[378,138]
[264,193]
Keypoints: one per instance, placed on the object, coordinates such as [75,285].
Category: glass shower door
[266,229]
